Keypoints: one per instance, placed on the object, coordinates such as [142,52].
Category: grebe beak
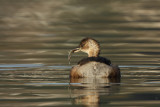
[72,51]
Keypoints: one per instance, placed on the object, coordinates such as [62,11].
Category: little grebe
[93,65]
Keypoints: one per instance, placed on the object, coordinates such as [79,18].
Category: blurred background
[36,36]
[39,31]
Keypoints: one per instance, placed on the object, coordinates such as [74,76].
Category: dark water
[36,36]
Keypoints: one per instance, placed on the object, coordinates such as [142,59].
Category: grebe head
[89,46]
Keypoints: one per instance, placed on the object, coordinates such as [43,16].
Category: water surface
[36,36]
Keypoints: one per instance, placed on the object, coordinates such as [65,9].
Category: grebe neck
[93,53]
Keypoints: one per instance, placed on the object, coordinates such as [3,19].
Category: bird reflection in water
[89,91]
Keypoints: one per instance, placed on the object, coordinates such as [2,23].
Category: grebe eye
[82,45]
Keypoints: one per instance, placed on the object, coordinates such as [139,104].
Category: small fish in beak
[70,53]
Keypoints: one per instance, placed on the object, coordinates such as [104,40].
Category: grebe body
[93,65]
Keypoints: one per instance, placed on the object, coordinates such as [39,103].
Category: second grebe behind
[93,65]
